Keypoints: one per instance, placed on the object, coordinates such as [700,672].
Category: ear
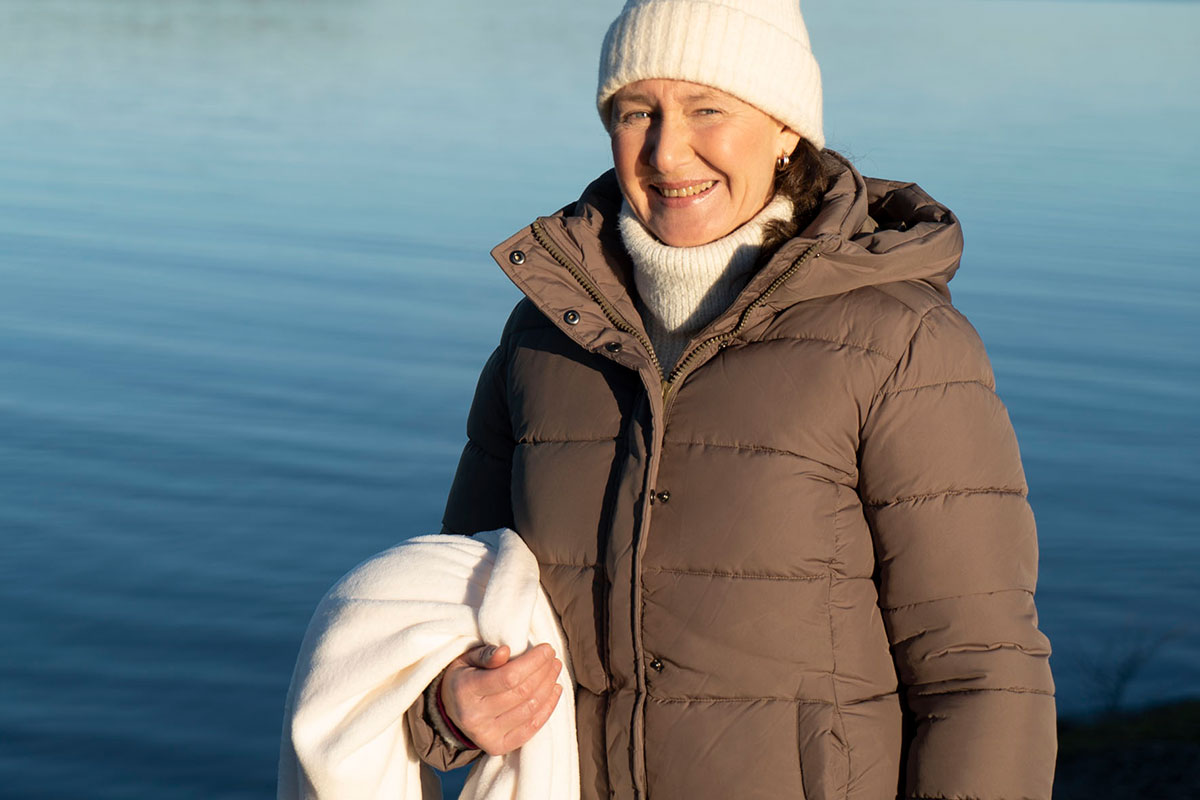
[787,141]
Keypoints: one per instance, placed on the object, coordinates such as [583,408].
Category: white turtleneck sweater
[682,289]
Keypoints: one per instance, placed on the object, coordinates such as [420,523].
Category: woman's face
[693,162]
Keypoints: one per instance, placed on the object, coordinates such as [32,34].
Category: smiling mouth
[687,191]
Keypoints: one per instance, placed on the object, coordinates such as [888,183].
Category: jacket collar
[868,232]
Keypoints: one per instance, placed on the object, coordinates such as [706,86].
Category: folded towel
[382,635]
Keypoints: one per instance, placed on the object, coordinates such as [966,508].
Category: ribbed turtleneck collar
[682,289]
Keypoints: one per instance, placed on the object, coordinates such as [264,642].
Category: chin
[685,238]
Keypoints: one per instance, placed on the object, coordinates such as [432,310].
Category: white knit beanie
[755,50]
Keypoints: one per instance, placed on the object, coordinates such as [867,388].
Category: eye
[632,117]
[706,112]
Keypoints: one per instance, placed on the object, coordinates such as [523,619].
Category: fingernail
[488,652]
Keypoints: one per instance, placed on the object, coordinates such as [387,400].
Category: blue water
[245,293]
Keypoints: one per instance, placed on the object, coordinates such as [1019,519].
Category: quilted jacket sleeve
[945,496]
[480,498]
[478,501]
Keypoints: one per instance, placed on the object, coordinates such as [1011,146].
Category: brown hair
[804,181]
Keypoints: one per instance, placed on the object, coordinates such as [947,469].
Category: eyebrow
[694,97]
[632,98]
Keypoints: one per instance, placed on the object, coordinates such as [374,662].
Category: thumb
[488,656]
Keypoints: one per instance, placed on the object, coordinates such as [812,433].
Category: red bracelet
[463,739]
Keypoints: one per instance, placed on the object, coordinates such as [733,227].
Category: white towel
[383,634]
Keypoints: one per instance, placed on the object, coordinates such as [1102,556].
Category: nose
[668,146]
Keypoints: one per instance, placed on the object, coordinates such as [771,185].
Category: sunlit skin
[501,702]
[675,137]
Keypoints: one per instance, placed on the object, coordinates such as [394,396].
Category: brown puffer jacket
[803,565]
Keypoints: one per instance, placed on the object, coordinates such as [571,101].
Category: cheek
[743,159]
[624,154]
[758,159]
[751,183]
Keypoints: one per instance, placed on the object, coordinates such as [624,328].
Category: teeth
[688,192]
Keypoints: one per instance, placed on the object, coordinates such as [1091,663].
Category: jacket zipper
[614,316]
[674,379]
[621,324]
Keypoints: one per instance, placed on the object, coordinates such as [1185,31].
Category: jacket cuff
[428,733]
[436,711]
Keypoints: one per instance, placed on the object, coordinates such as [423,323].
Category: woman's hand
[501,703]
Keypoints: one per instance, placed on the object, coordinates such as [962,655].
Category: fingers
[510,677]
[502,705]
[487,656]
[527,718]
[516,726]
[526,689]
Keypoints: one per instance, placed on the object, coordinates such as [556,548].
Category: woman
[775,500]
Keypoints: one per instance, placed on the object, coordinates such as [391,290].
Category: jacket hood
[873,232]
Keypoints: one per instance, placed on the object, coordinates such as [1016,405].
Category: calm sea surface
[245,293]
